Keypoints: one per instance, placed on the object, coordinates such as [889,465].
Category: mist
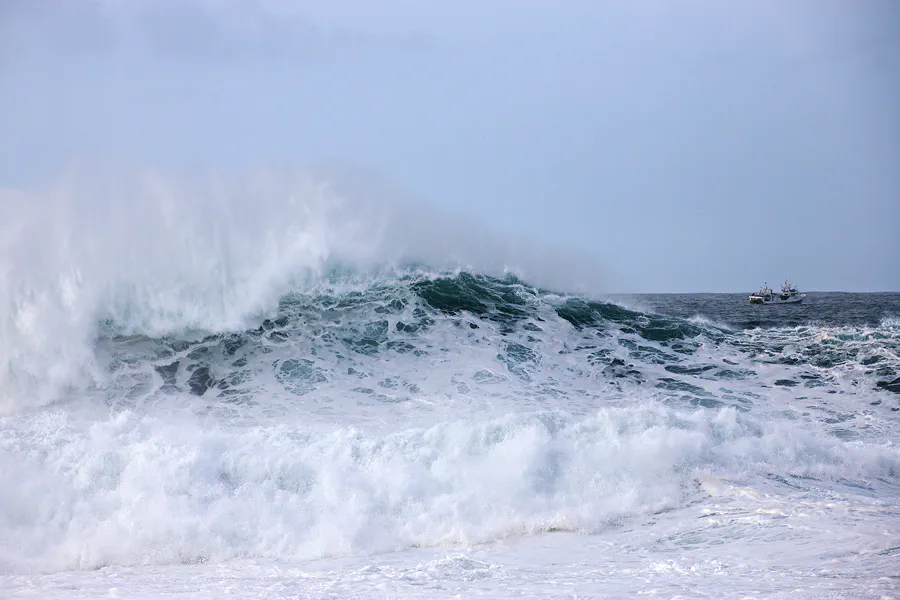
[703,146]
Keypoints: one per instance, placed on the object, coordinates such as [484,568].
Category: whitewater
[291,384]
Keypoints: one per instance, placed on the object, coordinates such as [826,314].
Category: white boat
[788,295]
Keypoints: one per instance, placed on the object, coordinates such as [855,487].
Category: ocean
[194,413]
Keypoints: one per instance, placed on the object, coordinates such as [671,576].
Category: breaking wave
[157,255]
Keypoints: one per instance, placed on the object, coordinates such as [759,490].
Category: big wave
[161,254]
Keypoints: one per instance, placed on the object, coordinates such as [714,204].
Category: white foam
[138,489]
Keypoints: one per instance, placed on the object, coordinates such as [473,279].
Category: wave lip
[159,255]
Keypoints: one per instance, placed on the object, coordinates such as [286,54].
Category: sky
[684,146]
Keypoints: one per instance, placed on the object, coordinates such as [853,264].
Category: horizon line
[732,292]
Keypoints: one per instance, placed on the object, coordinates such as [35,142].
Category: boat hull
[777,300]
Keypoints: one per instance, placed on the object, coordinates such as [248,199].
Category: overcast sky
[686,146]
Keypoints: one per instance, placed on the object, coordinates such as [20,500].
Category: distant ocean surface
[195,412]
[830,309]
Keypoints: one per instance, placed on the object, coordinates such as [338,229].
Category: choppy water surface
[426,434]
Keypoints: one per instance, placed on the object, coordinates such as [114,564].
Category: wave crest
[160,254]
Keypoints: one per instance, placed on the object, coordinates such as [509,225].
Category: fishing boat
[789,295]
